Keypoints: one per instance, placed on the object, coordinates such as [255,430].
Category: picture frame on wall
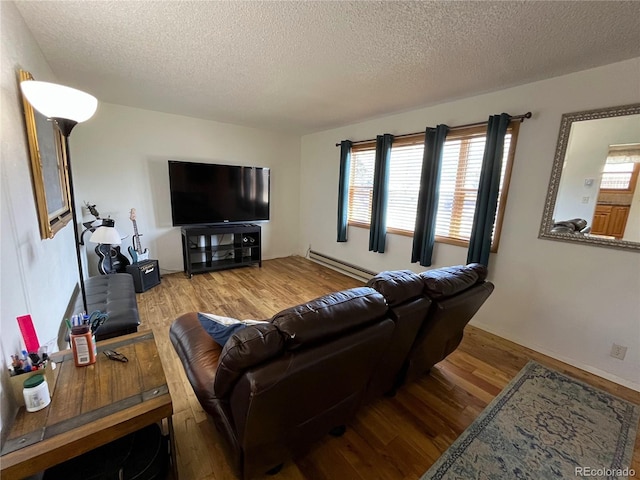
[48,169]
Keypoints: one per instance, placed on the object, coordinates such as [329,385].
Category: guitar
[111,259]
[136,252]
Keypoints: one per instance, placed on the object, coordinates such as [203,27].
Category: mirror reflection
[594,193]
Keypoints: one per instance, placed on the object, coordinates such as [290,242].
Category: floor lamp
[66,107]
[106,235]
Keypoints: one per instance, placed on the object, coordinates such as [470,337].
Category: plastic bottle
[83,346]
[36,393]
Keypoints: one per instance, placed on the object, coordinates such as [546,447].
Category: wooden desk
[91,406]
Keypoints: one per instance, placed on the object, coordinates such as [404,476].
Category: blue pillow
[222,328]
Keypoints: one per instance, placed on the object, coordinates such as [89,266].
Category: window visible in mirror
[618,176]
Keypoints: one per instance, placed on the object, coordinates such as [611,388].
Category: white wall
[567,300]
[38,276]
[120,162]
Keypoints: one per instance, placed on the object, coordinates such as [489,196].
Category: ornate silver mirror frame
[568,119]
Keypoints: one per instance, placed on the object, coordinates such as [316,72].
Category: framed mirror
[48,169]
[594,190]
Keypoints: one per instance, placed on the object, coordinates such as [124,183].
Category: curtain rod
[522,118]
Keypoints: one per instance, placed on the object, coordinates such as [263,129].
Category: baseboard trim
[341,266]
[570,361]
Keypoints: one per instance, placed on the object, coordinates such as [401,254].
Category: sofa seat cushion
[329,315]
[447,281]
[397,286]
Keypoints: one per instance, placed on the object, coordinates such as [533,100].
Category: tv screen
[205,193]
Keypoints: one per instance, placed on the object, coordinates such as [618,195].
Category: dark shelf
[244,249]
[211,249]
[199,267]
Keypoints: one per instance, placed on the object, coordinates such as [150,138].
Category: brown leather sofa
[408,307]
[276,388]
[454,296]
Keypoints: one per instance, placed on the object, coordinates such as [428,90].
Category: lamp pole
[66,107]
[65,126]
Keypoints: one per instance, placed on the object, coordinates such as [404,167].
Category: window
[619,177]
[461,166]
[361,184]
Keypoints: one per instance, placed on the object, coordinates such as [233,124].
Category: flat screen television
[206,193]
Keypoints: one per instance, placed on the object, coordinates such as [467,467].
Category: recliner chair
[457,293]
[575,225]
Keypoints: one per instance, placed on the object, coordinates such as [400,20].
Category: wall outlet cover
[618,351]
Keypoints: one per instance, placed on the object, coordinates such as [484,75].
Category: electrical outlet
[585,199]
[618,351]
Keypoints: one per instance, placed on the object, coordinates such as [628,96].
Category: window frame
[513,129]
[362,146]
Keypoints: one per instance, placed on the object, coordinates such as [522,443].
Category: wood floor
[392,438]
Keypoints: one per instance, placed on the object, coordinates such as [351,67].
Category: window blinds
[461,165]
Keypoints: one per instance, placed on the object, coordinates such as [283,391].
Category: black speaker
[146,274]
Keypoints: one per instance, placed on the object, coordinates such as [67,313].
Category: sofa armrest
[199,354]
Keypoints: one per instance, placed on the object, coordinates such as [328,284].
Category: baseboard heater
[344,267]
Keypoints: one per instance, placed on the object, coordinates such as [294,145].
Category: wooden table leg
[172,447]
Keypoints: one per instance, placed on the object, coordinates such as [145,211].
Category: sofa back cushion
[245,349]
[397,286]
[329,316]
[480,269]
[447,281]
[291,401]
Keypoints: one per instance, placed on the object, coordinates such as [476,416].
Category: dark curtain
[378,229]
[489,186]
[343,189]
[425,229]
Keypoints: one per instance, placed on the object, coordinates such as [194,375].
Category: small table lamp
[106,235]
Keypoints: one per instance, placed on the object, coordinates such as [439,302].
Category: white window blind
[361,184]
[617,176]
[460,178]
[461,167]
[405,168]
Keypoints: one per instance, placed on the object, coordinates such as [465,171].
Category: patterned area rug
[544,425]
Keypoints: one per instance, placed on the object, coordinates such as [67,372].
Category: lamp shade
[57,101]
[106,235]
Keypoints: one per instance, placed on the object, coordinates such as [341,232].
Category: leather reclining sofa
[278,387]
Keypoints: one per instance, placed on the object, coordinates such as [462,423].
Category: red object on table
[28,333]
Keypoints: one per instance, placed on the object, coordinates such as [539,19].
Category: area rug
[544,425]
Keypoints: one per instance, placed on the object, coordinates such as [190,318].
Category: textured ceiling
[304,66]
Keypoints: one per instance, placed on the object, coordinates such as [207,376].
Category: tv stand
[207,248]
